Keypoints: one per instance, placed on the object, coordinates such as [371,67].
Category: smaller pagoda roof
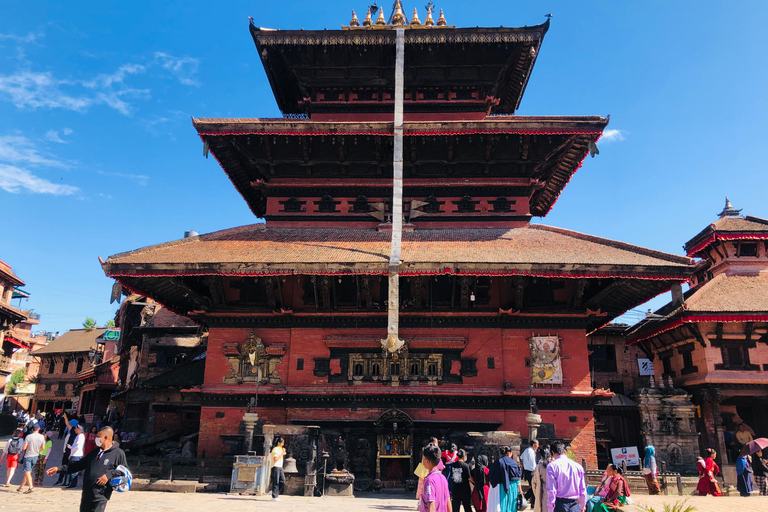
[724,298]
[7,273]
[300,62]
[730,226]
[76,340]
[11,313]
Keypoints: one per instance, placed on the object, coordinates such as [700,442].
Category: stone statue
[534,407]
[251,405]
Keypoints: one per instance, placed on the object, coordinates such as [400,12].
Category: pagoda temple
[399,169]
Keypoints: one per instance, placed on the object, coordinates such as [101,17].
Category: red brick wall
[508,347]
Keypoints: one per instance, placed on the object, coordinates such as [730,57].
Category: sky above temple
[98,154]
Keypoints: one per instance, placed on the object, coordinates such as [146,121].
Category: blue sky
[98,154]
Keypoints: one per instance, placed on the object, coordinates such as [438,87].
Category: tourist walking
[32,445]
[69,426]
[435,497]
[421,471]
[461,492]
[650,471]
[708,472]
[743,475]
[277,477]
[529,466]
[11,454]
[77,452]
[42,460]
[100,467]
[539,480]
[618,491]
[566,489]
[481,483]
[504,477]
[760,472]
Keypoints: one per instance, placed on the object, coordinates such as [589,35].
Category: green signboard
[111,335]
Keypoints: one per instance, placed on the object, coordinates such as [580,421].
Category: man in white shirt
[529,466]
[76,453]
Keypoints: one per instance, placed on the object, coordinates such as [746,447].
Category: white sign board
[646,367]
[627,453]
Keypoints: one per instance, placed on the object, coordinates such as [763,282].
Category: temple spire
[441,20]
[415,18]
[381,20]
[729,210]
[354,22]
[368,21]
[398,18]
[429,21]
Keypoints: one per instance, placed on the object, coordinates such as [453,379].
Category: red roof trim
[410,132]
[431,272]
[690,319]
[717,236]
[14,341]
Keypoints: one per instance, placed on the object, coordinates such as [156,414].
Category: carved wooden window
[252,291]
[666,364]
[299,364]
[394,368]
[735,356]
[326,204]
[748,249]
[433,205]
[360,205]
[687,352]
[358,370]
[65,368]
[415,370]
[80,363]
[469,367]
[376,369]
[292,205]
[502,205]
[52,366]
[465,205]
[432,370]
[491,363]
[603,358]
[322,366]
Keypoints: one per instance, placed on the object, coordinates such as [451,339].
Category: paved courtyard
[135,501]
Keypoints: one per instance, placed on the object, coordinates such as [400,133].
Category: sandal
[28,491]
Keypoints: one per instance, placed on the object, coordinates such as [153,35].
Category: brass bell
[289,465]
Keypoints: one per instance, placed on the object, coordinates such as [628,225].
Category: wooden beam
[694,328]
[202,302]
[604,292]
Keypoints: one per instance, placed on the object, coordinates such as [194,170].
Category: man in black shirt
[461,493]
[100,467]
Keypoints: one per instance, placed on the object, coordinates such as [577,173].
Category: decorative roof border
[674,322]
[715,237]
[380,37]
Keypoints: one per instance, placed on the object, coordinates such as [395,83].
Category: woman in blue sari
[504,477]
[743,475]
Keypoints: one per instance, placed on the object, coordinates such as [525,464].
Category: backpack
[14,446]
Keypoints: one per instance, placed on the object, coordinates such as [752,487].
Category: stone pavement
[135,501]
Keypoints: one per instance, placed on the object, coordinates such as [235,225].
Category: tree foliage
[16,378]
[89,323]
[110,323]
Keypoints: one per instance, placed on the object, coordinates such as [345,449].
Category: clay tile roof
[730,294]
[731,228]
[256,249]
[76,340]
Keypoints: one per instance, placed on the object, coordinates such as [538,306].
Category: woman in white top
[76,452]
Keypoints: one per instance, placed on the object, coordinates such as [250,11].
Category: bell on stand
[289,465]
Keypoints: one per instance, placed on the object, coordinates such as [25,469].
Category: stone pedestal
[339,483]
[250,419]
[667,417]
[534,422]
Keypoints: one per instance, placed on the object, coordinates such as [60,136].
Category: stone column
[534,422]
[250,419]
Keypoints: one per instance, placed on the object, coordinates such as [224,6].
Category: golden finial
[399,17]
[367,22]
[415,18]
[380,20]
[441,20]
[354,22]
[429,21]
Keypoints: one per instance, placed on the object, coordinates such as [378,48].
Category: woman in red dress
[708,471]
[90,440]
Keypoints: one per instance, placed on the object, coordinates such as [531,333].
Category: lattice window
[360,205]
[502,205]
[292,205]
[433,205]
[326,204]
[465,205]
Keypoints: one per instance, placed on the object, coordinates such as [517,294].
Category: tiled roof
[76,340]
[258,249]
[730,294]
[728,228]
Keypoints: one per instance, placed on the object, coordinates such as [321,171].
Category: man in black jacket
[100,467]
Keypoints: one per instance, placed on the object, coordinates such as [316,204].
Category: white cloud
[29,38]
[141,179]
[183,68]
[53,136]
[18,152]
[17,149]
[15,179]
[613,135]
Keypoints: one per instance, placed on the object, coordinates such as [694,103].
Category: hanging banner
[545,360]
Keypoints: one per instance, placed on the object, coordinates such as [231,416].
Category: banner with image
[545,360]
